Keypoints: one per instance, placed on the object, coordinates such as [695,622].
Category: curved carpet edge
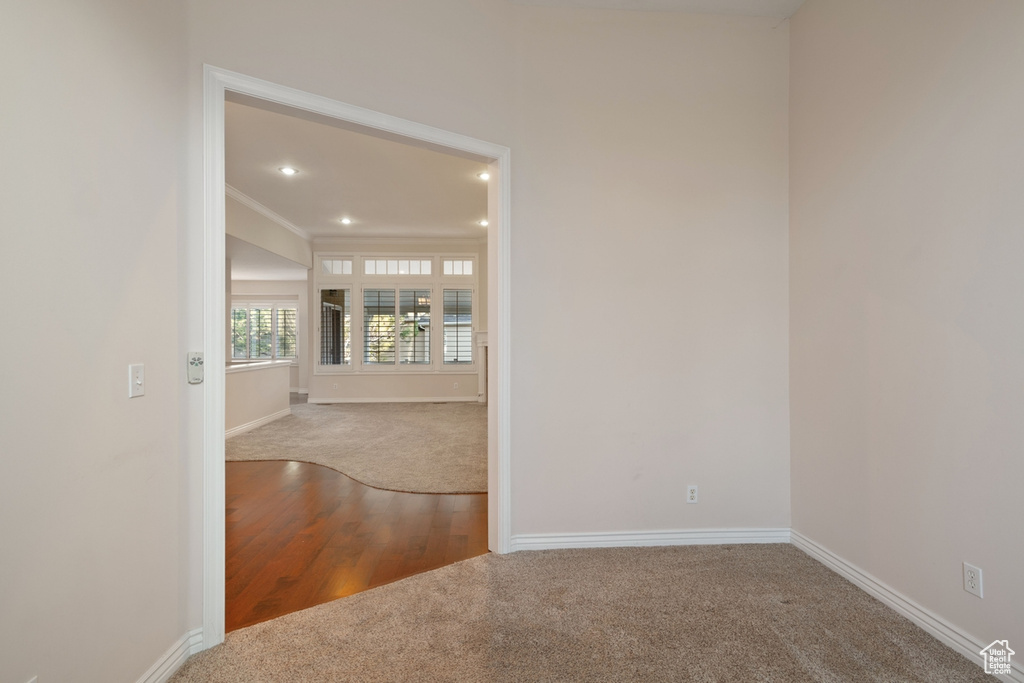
[406,447]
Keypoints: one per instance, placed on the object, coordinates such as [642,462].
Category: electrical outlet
[456,386]
[335,386]
[691,493]
[972,580]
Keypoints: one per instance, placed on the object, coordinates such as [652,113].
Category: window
[335,327]
[458,326]
[396,266]
[264,331]
[377,312]
[336,266]
[414,337]
[287,333]
[410,329]
[379,327]
[458,266]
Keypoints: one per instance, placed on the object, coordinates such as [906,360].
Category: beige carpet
[415,447]
[698,613]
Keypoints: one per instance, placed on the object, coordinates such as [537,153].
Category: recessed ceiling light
[484,176]
[346,221]
[288,170]
[483,222]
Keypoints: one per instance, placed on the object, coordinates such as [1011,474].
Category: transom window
[266,331]
[458,266]
[336,266]
[396,266]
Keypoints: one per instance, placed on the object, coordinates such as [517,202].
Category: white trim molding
[166,666]
[249,426]
[620,539]
[251,203]
[945,632]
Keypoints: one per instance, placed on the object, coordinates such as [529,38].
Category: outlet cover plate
[972,580]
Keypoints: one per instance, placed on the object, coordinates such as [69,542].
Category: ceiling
[387,188]
[249,262]
[756,8]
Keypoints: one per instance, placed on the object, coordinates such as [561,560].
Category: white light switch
[136,380]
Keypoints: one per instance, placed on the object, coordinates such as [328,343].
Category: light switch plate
[136,380]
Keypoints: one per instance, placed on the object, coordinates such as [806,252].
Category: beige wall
[92,517]
[254,392]
[907,324]
[649,180]
[242,222]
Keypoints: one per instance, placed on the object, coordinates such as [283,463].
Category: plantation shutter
[458,326]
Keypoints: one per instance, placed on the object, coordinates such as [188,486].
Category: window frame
[358,282]
[275,305]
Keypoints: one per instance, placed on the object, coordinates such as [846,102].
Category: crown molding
[348,243]
[251,203]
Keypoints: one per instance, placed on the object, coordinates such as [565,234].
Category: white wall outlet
[972,580]
[456,386]
[691,493]
[136,380]
[335,386]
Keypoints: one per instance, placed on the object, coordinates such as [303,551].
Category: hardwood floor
[299,535]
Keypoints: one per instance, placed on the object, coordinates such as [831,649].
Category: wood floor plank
[299,535]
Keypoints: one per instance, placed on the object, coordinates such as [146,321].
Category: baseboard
[248,426]
[166,666]
[933,624]
[419,399]
[299,390]
[648,538]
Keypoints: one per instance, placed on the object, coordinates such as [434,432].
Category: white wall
[92,517]
[907,316]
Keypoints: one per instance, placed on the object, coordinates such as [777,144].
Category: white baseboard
[299,390]
[935,625]
[166,666]
[420,399]
[248,426]
[649,538]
